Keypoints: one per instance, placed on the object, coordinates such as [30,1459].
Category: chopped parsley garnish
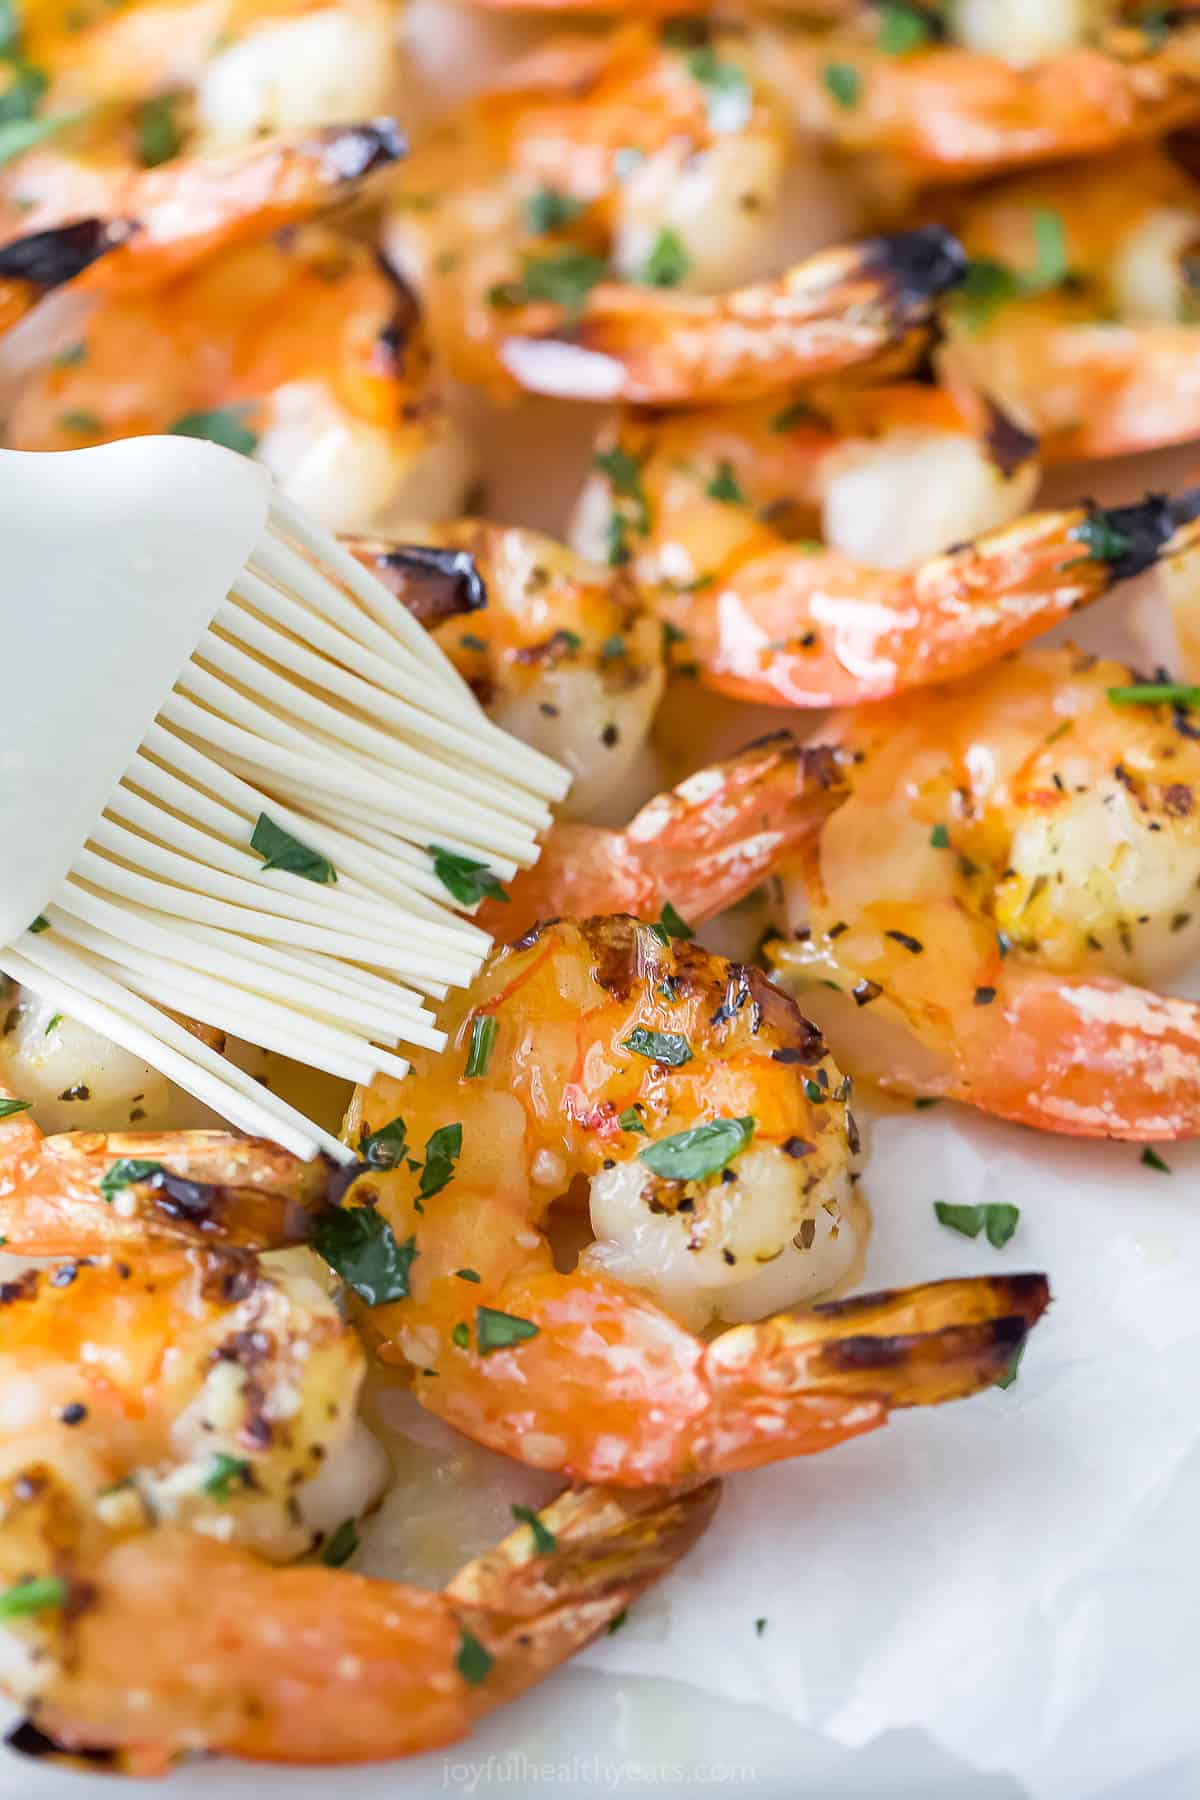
[441,1152]
[500,1330]
[668,261]
[814,1092]
[280,850]
[87,424]
[549,210]
[792,415]
[40,924]
[901,29]
[544,1542]
[1006,1380]
[71,357]
[629,1120]
[340,1545]
[996,1218]
[469,641]
[20,98]
[624,473]
[225,425]
[729,97]
[472,1661]
[1155,693]
[924,1101]
[483,1038]
[223,1473]
[158,134]
[562,277]
[54,1024]
[20,135]
[468,1275]
[125,1172]
[612,648]
[1103,540]
[989,285]
[670,925]
[724,485]
[939,837]
[385,1148]
[1150,1159]
[461,1335]
[41,1593]
[760,1625]
[691,1155]
[9,1107]
[843,83]
[616,1622]
[660,1046]
[359,1245]
[465,879]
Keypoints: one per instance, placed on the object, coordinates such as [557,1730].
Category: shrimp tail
[190,1187]
[867,304]
[793,629]
[32,267]
[803,1381]
[702,845]
[533,1609]
[1085,1055]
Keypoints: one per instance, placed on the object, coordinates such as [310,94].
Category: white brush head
[115,560]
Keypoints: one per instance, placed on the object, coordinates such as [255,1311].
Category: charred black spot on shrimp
[433,584]
[918,265]
[47,259]
[1008,446]
[351,151]
[1130,539]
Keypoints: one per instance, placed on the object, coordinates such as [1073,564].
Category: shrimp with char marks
[1017,853]
[600,226]
[714,1131]
[301,347]
[144,1615]
[710,509]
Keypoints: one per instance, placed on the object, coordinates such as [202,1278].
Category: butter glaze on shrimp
[589,1372]
[1017,854]
[147,1484]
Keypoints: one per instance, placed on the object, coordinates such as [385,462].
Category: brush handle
[115,560]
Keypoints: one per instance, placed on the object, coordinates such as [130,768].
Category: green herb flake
[659,1046]
[939,837]
[562,278]
[798,413]
[469,641]
[724,485]
[613,648]
[902,29]
[814,1093]
[544,1541]
[843,83]
[126,1171]
[1150,1159]
[158,134]
[629,1120]
[19,99]
[616,1622]
[461,1335]
[1155,693]
[385,1148]
[989,285]
[668,261]
[71,357]
[468,1275]
[1102,539]
[701,1151]
[483,1039]
[340,1545]
[20,135]
[760,1625]
[500,1330]
[54,1024]
[84,424]
[442,1151]
[466,880]
[224,1472]
[40,924]
[41,1593]
[671,925]
[9,1107]
[997,1219]
[225,426]
[280,850]
[730,101]
[1006,1380]
[549,210]
[924,1101]
[472,1661]
[359,1245]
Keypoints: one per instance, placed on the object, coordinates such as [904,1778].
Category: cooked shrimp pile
[766,324]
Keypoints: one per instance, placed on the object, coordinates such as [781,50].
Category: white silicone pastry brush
[227,753]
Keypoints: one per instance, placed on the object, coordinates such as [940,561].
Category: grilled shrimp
[104,227]
[1019,852]
[565,654]
[714,1131]
[300,347]
[568,231]
[988,86]
[707,509]
[164,1423]
[1080,310]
